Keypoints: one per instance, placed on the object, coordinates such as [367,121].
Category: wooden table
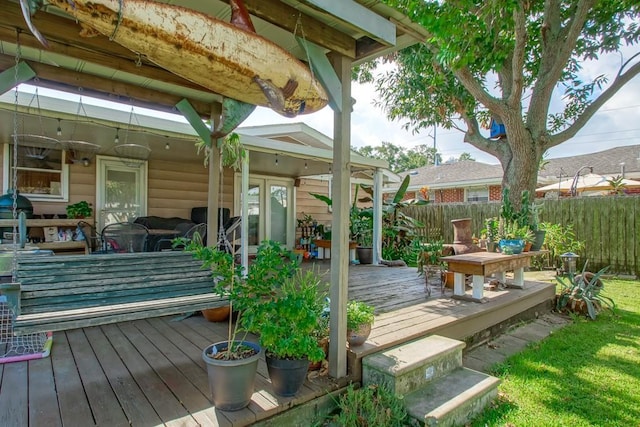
[482,264]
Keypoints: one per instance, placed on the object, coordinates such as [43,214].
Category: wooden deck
[150,372]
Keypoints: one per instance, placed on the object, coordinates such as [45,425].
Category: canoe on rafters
[212,53]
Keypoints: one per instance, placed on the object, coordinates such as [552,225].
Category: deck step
[410,366]
[452,400]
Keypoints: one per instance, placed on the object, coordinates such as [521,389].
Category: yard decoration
[226,58]
[581,294]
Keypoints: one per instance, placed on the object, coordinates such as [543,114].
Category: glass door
[271,215]
[121,191]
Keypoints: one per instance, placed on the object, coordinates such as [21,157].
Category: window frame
[7,177]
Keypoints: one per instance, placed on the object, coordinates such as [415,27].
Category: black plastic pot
[231,381]
[365,255]
[287,376]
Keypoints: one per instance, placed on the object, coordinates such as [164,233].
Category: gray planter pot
[539,240]
[231,381]
[287,375]
[365,255]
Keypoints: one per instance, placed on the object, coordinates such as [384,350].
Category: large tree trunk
[520,158]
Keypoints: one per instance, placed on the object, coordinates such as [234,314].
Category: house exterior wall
[173,188]
[495,192]
[449,195]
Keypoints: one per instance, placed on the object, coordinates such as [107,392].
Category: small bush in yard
[370,406]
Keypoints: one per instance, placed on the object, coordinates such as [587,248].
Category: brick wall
[495,192]
[449,195]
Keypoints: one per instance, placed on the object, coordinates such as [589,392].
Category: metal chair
[125,237]
[228,234]
[92,239]
[197,231]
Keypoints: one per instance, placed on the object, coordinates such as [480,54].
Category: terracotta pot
[447,279]
[527,246]
[356,338]
[217,314]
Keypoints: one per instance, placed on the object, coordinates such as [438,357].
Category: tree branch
[517,57]
[579,123]
[478,92]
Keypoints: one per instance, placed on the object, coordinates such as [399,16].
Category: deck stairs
[428,373]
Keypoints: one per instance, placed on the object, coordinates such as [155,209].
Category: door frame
[264,182]
[103,163]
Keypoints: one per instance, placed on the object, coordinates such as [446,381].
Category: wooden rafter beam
[286,17]
[100,87]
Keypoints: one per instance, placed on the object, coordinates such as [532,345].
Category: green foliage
[617,185]
[271,268]
[428,253]
[358,313]
[81,209]
[504,59]
[491,229]
[584,288]
[291,316]
[399,158]
[559,240]
[373,405]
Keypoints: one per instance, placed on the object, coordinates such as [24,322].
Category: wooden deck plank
[104,404]
[157,355]
[42,390]
[154,389]
[72,401]
[131,397]
[14,402]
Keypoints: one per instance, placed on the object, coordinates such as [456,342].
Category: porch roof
[303,151]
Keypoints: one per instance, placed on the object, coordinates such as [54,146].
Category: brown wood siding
[306,204]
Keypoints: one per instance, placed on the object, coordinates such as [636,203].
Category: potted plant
[581,293]
[361,230]
[491,231]
[79,210]
[359,321]
[232,364]
[289,320]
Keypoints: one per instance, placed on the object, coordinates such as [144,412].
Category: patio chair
[125,237]
[92,239]
[229,233]
[197,231]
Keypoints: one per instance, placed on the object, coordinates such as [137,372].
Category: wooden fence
[608,225]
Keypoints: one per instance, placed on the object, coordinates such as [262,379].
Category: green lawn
[586,374]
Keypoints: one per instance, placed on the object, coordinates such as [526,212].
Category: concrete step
[453,399]
[410,366]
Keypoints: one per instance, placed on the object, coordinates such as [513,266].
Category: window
[41,172]
[477,195]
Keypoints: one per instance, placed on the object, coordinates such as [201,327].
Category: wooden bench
[75,291]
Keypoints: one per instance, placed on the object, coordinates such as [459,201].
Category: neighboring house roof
[466,173]
[469,173]
[607,162]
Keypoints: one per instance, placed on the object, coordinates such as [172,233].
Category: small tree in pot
[232,364]
[288,322]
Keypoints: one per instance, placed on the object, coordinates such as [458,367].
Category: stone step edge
[489,385]
[445,346]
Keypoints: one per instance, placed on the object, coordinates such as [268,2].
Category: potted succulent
[79,210]
[232,364]
[359,321]
[288,323]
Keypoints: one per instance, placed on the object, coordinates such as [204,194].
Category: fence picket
[608,225]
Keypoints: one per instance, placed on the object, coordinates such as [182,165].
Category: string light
[276,159]
[305,166]
[117,138]
[167,146]
[59,130]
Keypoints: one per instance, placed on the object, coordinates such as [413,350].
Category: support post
[377,217]
[215,173]
[340,222]
[244,225]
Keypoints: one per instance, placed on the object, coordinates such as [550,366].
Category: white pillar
[377,216]
[340,223]
[244,225]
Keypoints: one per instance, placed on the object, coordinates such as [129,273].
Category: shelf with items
[58,234]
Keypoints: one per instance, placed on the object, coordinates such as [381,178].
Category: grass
[586,374]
